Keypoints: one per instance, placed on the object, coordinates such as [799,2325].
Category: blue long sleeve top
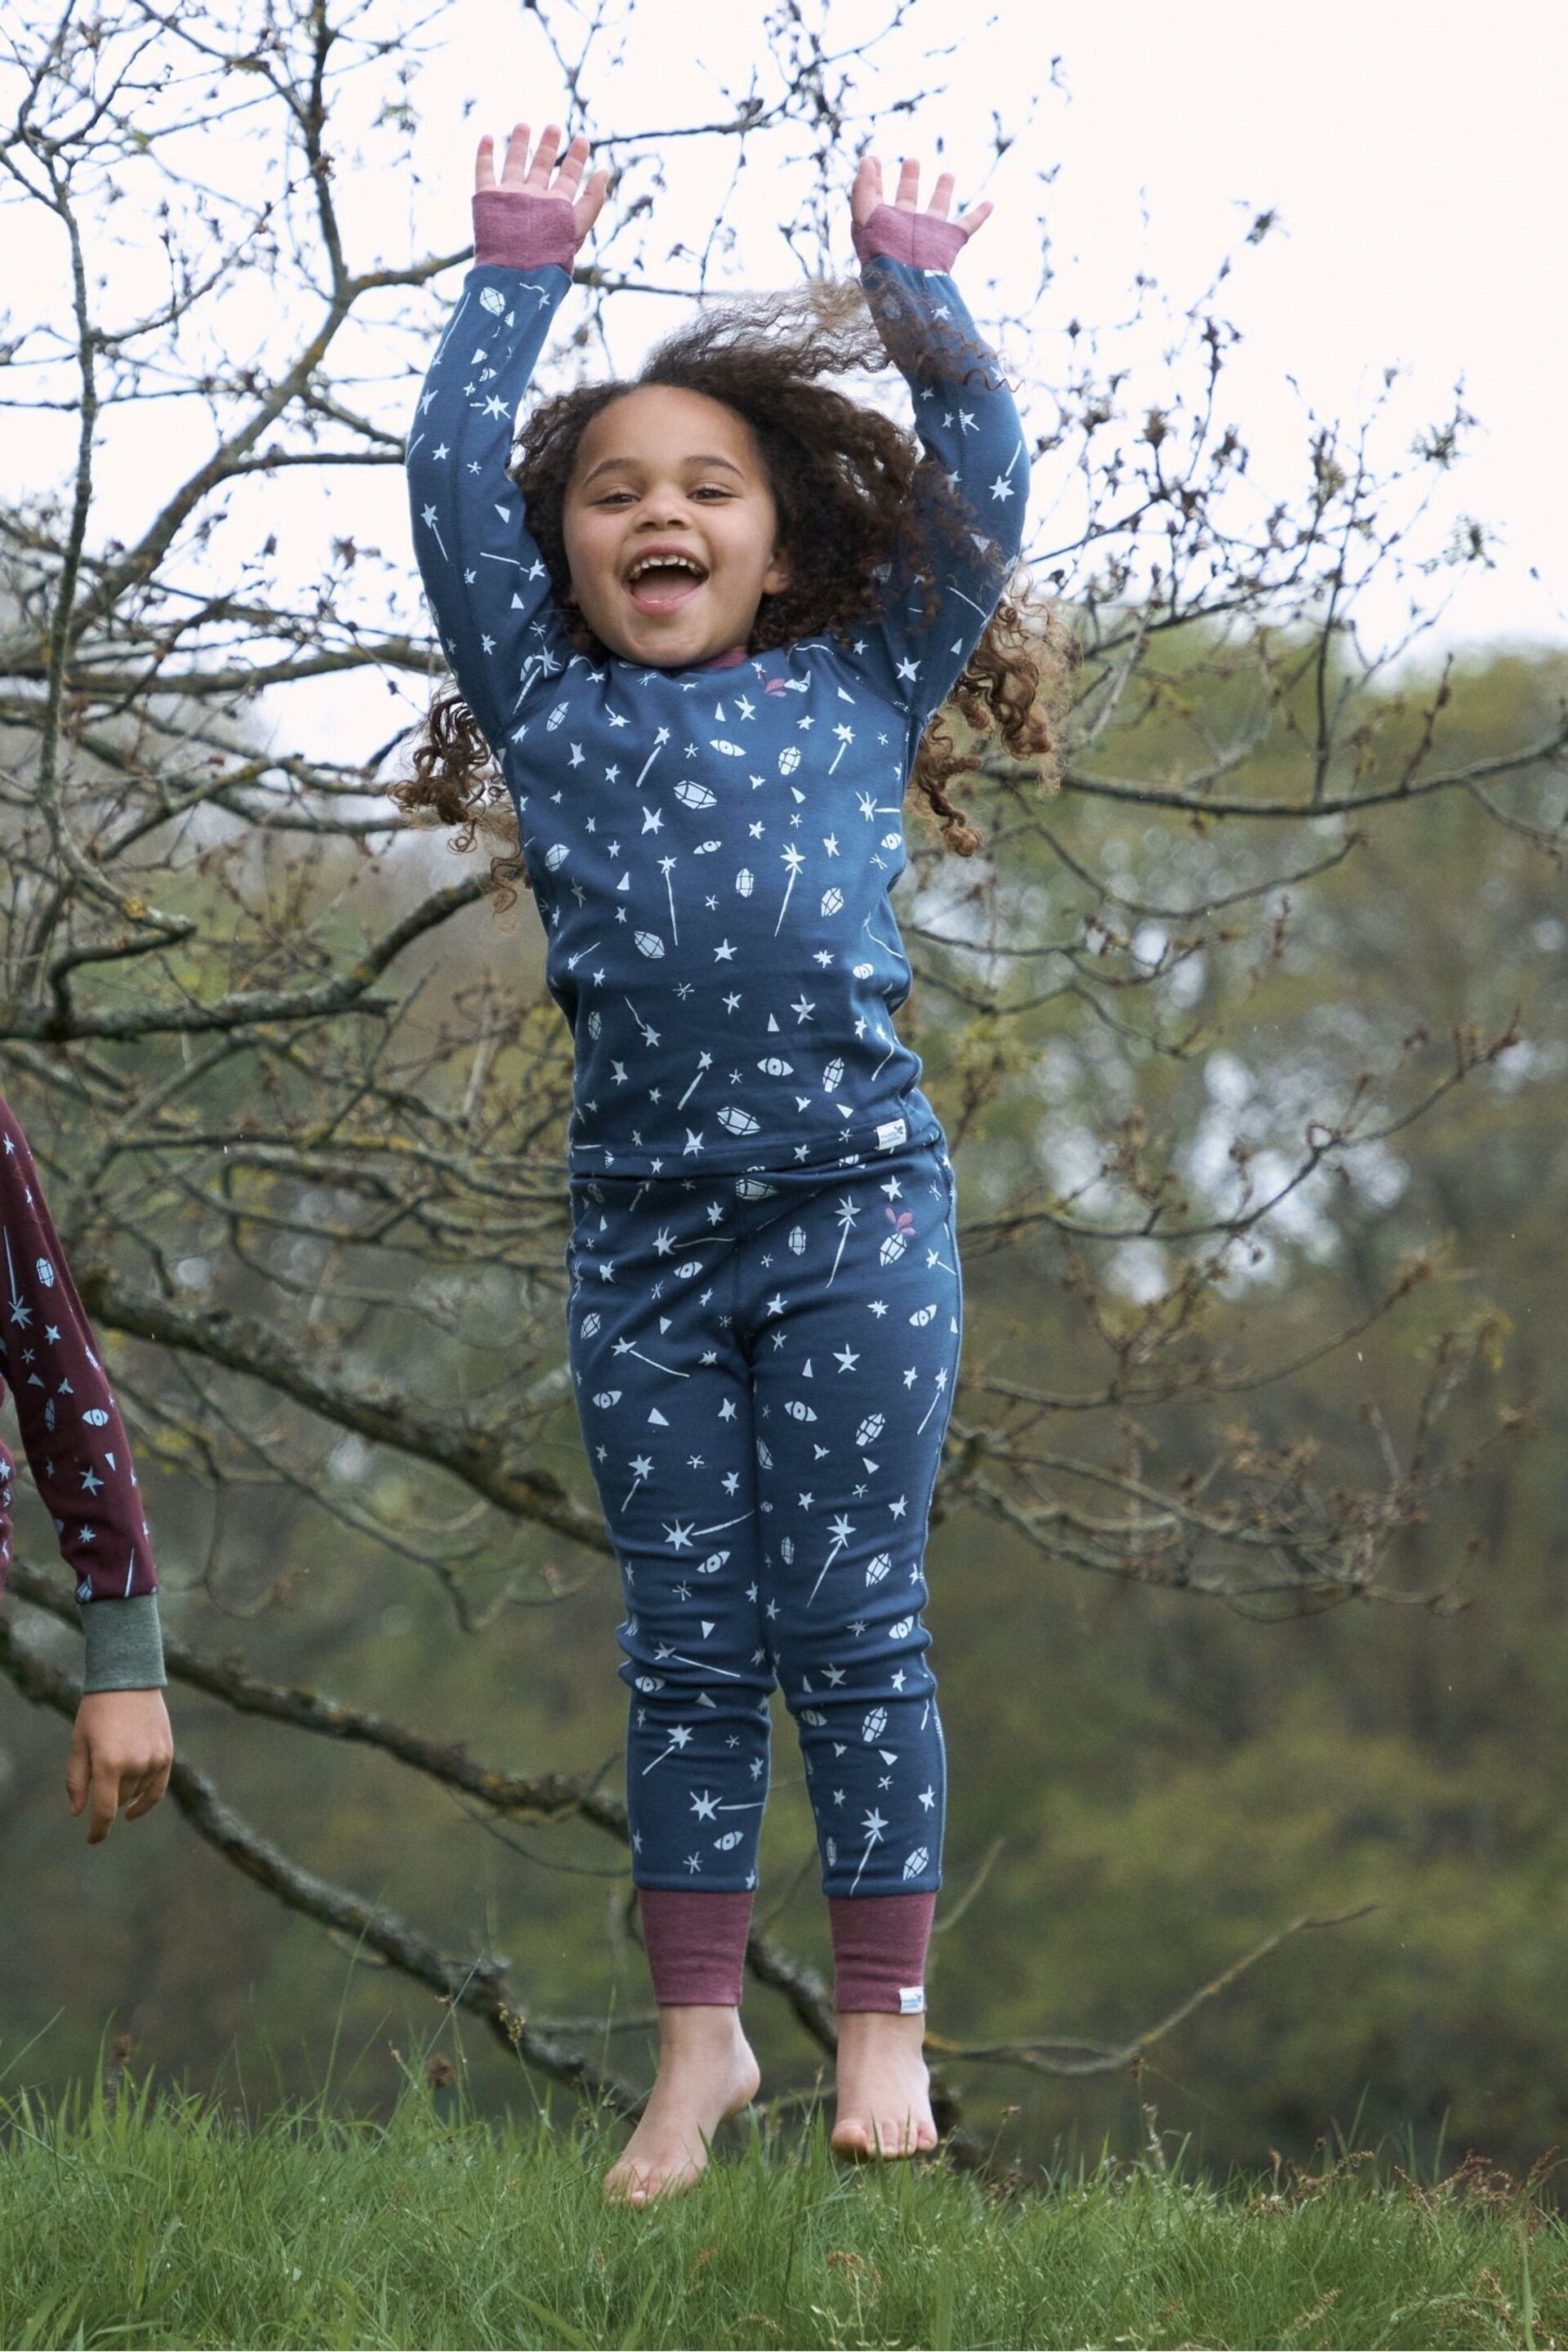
[712,850]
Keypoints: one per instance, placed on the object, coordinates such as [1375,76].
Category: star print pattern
[766,1468]
[71,1430]
[734,832]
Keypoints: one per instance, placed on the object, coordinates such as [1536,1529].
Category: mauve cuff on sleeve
[125,1644]
[520,231]
[918,238]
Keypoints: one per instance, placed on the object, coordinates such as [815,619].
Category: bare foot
[706,2072]
[884,2090]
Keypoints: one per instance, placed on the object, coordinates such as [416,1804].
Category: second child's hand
[867,194]
[550,173]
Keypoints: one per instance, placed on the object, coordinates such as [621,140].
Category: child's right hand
[539,210]
[121,1753]
[899,228]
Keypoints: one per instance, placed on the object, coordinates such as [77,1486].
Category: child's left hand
[927,238]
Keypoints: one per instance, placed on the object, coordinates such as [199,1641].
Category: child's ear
[779,573]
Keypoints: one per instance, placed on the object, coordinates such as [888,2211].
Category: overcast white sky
[1413,149]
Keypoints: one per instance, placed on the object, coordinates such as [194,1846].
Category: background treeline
[1146,1781]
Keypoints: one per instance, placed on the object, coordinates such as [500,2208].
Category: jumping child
[703,622]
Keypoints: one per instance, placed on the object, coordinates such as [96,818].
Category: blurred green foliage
[1145,1781]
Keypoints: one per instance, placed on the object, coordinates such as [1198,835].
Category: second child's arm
[122,1748]
[487,582]
[968,428]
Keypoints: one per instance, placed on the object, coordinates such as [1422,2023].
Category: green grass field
[170,2221]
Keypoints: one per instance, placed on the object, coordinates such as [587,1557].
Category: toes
[856,2138]
[639,2185]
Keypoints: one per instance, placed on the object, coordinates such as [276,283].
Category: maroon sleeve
[72,1429]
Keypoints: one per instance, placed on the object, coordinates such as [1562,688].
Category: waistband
[768,1190]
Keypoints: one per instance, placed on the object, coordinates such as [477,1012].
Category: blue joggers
[764,1367]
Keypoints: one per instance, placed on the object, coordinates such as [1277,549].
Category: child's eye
[710,490]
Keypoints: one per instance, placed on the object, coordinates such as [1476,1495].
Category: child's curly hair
[842,477]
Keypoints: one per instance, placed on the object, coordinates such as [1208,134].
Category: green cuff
[125,1644]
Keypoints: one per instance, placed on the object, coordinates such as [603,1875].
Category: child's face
[670,528]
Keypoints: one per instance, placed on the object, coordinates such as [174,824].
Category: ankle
[697,2029]
[855,2026]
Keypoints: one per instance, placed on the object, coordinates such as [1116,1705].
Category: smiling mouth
[663,583]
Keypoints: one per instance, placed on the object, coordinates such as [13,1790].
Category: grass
[146,2219]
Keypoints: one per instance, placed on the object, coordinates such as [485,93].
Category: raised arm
[487,582]
[967,527]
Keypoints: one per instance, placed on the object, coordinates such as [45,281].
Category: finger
[105,1804]
[143,1796]
[514,170]
[79,1773]
[485,164]
[590,204]
[975,218]
[941,198]
[867,192]
[544,156]
[156,1778]
[909,184]
[158,1786]
[570,168]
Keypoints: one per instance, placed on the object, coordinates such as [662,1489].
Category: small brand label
[892,1131]
[910,1997]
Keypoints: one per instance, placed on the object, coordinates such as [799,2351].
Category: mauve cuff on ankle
[879,1944]
[696,1942]
[918,239]
[522,231]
